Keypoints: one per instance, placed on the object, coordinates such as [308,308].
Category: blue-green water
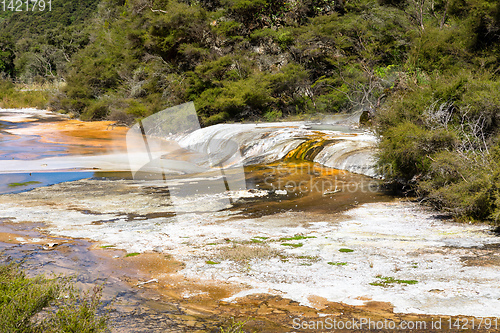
[20,182]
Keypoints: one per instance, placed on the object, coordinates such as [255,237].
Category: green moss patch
[292,244]
[296,237]
[386,281]
[31,182]
[337,263]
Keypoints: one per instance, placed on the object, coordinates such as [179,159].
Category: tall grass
[41,304]
[24,96]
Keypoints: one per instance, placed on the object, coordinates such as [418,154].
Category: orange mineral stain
[81,138]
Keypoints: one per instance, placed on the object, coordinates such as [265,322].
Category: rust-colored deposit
[81,137]
[159,276]
[262,312]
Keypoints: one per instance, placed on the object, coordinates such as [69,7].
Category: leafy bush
[441,140]
[96,110]
[251,94]
[273,115]
[43,304]
[234,327]
[406,148]
[6,86]
[460,187]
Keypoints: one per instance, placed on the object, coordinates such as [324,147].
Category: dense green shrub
[96,110]
[41,304]
[405,149]
[7,55]
[235,59]
[250,95]
[441,140]
[458,185]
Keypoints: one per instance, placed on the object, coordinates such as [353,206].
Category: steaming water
[342,148]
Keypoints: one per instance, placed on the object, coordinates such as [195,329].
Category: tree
[418,9]
[7,56]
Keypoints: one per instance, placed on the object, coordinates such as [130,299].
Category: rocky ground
[301,245]
[236,263]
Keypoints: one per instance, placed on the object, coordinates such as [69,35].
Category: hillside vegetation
[236,59]
[426,70]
